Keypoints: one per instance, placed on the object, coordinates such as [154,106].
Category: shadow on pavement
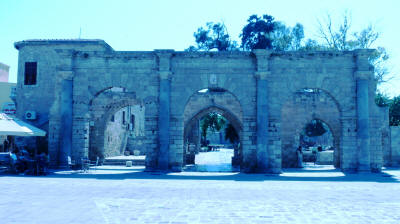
[287,175]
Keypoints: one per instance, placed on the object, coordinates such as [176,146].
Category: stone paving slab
[127,195]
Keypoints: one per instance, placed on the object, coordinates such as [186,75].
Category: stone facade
[263,96]
[395,146]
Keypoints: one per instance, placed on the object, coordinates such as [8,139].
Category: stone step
[122,162]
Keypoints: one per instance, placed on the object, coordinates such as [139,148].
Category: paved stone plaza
[127,195]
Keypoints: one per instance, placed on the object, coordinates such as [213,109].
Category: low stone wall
[395,145]
[323,158]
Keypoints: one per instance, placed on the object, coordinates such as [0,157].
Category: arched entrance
[116,125]
[319,144]
[224,105]
[302,108]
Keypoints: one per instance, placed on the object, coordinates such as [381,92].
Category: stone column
[66,117]
[262,109]
[363,76]
[363,121]
[164,107]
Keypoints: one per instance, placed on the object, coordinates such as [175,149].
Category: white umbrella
[10,125]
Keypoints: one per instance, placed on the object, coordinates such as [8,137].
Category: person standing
[299,152]
[5,145]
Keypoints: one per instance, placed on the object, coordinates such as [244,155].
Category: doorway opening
[317,144]
[212,144]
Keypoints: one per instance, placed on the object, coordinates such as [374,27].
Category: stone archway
[306,105]
[207,101]
[102,110]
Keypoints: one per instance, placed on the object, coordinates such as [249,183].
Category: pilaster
[262,108]
[363,76]
[164,67]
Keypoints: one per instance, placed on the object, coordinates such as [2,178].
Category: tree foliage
[212,121]
[394,111]
[287,38]
[382,100]
[231,135]
[314,128]
[256,34]
[394,107]
[213,36]
[262,32]
[340,38]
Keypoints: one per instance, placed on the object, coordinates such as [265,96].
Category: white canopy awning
[10,125]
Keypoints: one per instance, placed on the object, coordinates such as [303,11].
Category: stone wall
[395,145]
[302,108]
[262,83]
[116,134]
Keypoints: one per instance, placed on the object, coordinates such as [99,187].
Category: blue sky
[156,24]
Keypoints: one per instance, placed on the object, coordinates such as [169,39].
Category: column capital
[364,75]
[164,59]
[165,74]
[361,59]
[261,53]
[164,52]
[359,53]
[263,75]
[67,75]
[262,56]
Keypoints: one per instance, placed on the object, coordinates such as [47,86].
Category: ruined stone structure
[267,96]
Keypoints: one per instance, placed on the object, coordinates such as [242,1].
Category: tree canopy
[314,128]
[394,111]
[213,36]
[212,121]
[257,33]
[263,32]
[394,107]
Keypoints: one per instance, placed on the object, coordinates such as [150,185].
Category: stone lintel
[263,75]
[364,75]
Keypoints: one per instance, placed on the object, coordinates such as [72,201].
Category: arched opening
[212,132]
[311,118]
[318,144]
[212,142]
[117,128]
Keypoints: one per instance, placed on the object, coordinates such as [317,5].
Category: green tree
[287,38]
[382,100]
[231,135]
[213,36]
[212,121]
[314,128]
[340,38]
[394,111]
[257,33]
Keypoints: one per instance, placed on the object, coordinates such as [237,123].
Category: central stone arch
[204,101]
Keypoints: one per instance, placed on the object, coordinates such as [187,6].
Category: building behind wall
[4,69]
[7,91]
